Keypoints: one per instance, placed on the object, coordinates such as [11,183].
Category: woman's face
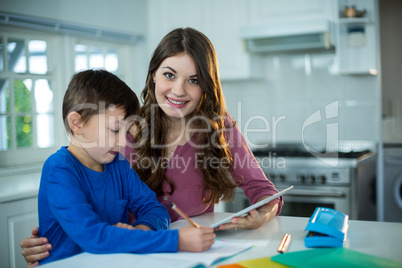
[177,90]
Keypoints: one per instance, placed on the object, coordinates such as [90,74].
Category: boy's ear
[74,122]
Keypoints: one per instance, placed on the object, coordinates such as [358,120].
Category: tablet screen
[245,211]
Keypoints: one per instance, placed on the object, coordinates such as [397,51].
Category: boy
[88,189]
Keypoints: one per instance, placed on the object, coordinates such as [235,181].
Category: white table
[381,239]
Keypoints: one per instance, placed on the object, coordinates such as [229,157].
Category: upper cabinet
[356,38]
[223,22]
[222,26]
[353,28]
[218,22]
[273,11]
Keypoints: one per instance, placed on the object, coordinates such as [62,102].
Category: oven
[342,180]
[302,201]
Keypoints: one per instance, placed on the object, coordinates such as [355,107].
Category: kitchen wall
[276,106]
[122,15]
[272,109]
[293,87]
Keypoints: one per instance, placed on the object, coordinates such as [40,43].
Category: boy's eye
[169,75]
[114,130]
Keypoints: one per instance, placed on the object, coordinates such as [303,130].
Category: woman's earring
[153,81]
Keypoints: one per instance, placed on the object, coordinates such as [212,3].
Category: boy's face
[103,136]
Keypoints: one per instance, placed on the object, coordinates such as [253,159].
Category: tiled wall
[293,89]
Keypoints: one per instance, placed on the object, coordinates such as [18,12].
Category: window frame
[61,67]
[33,155]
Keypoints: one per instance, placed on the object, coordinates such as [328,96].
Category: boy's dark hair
[93,89]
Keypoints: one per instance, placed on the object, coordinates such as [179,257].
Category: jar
[350,11]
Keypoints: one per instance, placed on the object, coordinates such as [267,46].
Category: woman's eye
[194,81]
[114,131]
[169,75]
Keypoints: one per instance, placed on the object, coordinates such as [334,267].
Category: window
[32,86]
[26,94]
[95,56]
[31,81]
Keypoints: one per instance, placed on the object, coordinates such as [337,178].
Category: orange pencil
[283,246]
[181,213]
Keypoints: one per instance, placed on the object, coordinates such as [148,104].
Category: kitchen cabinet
[355,40]
[17,218]
[218,22]
[271,11]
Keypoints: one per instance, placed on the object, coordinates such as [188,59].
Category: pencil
[283,246]
[181,213]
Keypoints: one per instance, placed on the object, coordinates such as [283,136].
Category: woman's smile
[176,103]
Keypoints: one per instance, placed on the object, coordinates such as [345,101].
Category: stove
[343,179]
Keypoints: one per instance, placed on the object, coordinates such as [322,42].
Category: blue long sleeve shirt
[78,207]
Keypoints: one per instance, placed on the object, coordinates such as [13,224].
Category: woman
[185,146]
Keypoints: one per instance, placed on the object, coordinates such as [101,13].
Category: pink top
[188,179]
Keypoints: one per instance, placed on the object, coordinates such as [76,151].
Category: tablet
[245,211]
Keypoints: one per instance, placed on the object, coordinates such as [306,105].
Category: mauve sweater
[183,171]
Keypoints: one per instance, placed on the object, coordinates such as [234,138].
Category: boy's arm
[144,205]
[70,207]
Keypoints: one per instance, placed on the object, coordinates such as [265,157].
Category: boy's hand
[196,239]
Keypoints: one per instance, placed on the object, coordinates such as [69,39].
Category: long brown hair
[217,180]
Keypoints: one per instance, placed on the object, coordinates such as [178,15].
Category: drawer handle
[316,193]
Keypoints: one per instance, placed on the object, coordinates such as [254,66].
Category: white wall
[123,15]
[293,88]
[128,16]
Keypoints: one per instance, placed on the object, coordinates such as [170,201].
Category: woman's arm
[249,176]
[255,219]
[35,248]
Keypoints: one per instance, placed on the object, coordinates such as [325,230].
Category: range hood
[288,36]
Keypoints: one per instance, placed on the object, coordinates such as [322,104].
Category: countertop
[381,239]
[16,186]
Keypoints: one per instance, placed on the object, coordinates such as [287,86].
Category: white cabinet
[223,26]
[164,16]
[271,11]
[220,21]
[17,218]
[356,40]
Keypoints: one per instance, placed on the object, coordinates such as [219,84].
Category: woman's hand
[255,219]
[130,227]
[35,248]
[124,226]
[143,227]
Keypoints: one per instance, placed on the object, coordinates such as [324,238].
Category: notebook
[219,251]
[333,257]
[245,211]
